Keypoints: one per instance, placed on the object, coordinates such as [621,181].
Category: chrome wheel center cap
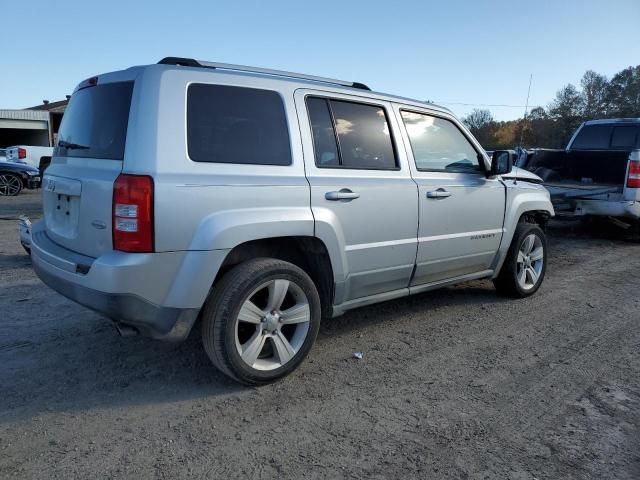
[271,321]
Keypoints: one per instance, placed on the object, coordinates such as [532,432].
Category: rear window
[95,122]
[593,137]
[624,137]
[236,125]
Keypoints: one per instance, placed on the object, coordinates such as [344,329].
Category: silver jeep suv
[259,201]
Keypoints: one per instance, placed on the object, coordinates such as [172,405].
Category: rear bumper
[623,209]
[158,294]
[151,320]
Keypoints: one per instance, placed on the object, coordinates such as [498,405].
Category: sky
[453,52]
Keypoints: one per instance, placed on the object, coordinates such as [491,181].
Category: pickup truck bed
[597,174]
[563,194]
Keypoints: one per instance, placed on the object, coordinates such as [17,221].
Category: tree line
[552,127]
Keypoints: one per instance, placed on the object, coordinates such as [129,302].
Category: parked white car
[35,156]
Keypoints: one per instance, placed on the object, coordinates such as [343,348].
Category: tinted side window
[236,125]
[324,139]
[592,137]
[624,137]
[363,136]
[437,144]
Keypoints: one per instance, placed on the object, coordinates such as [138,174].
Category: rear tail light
[133,213]
[22,153]
[633,176]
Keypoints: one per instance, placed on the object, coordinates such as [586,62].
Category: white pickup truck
[598,174]
[36,156]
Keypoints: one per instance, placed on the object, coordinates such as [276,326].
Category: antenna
[526,107]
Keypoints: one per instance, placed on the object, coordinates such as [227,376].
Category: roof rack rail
[190,62]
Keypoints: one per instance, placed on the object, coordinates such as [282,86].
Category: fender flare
[229,228]
[225,230]
[518,203]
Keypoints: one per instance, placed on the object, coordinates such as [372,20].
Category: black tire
[220,313]
[27,249]
[507,281]
[15,181]
[44,163]
[635,231]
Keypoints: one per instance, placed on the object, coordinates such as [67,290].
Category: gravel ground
[458,383]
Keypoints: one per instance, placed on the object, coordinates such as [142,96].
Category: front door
[361,190]
[461,210]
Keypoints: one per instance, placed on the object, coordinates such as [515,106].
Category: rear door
[88,157]
[461,210]
[362,188]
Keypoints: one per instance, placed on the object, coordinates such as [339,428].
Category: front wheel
[261,320]
[10,184]
[524,268]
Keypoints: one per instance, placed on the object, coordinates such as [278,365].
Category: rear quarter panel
[208,206]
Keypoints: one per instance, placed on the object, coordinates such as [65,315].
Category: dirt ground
[457,383]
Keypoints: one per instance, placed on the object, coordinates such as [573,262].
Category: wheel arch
[529,205]
[306,252]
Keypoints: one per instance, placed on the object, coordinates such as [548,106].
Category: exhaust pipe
[126,330]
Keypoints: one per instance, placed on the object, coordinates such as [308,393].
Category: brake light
[22,153]
[132,222]
[633,176]
[89,82]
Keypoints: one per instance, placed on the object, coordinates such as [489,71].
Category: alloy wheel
[530,261]
[272,324]
[10,185]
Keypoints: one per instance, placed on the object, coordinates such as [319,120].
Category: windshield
[95,122]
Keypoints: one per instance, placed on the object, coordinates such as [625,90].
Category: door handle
[439,193]
[344,194]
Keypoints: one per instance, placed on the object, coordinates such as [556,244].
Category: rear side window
[95,122]
[351,135]
[624,137]
[236,125]
[592,137]
[438,145]
[324,136]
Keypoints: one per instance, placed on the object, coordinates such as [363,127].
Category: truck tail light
[22,153]
[633,176]
[132,222]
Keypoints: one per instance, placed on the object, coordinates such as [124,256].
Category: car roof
[298,79]
[613,121]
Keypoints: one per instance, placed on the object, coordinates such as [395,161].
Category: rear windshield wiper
[72,146]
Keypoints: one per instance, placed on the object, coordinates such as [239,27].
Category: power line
[481,104]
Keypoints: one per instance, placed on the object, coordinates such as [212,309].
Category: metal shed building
[32,126]
[24,127]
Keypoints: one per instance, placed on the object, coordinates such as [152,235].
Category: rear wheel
[526,263]
[261,320]
[10,184]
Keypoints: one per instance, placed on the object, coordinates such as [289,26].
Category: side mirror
[502,162]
